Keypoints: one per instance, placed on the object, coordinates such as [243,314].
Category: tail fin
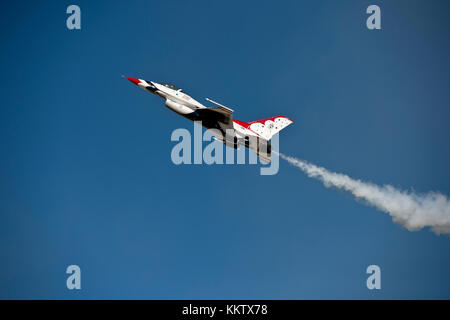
[266,128]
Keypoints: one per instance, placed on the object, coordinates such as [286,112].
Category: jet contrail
[411,210]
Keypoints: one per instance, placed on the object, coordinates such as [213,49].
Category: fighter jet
[254,135]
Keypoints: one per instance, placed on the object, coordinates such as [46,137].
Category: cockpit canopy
[171,86]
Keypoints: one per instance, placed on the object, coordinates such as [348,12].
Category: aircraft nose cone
[135,81]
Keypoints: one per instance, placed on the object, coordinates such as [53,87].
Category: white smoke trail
[413,211]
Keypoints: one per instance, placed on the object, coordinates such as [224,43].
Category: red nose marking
[135,81]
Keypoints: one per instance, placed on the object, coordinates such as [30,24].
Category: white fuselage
[183,104]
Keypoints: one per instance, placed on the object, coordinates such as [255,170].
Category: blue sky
[86,174]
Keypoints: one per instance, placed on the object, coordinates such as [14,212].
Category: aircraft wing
[220,114]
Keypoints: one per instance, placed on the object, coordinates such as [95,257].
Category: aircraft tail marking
[266,128]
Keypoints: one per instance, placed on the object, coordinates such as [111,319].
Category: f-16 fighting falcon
[254,135]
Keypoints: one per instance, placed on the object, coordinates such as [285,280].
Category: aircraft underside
[228,135]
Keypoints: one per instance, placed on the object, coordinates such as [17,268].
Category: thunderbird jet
[219,120]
